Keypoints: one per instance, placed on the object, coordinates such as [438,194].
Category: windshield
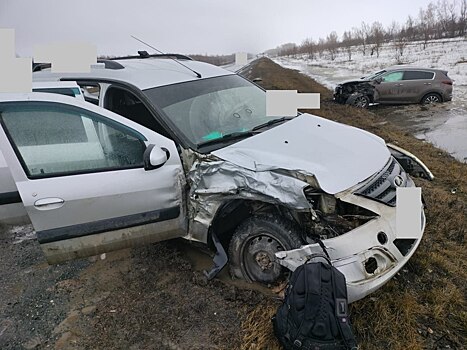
[208,110]
[374,75]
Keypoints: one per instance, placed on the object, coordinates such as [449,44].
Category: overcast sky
[191,26]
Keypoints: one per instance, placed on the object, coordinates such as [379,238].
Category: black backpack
[314,314]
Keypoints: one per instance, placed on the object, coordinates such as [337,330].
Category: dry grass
[424,306]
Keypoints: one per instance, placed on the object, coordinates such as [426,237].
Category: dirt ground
[156,297]
[153,297]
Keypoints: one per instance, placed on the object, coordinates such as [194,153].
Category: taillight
[447,82]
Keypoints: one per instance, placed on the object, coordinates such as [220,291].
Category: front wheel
[358,100]
[431,98]
[254,244]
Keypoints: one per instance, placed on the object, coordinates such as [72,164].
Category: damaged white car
[188,151]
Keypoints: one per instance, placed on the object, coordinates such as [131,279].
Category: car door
[390,86]
[416,84]
[85,177]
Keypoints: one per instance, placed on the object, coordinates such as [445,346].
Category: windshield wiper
[227,137]
[271,122]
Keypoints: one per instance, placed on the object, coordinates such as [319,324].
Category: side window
[393,76]
[91,93]
[72,92]
[128,105]
[418,75]
[55,139]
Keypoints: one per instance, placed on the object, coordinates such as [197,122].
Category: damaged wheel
[254,244]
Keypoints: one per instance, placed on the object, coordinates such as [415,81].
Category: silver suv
[397,85]
[165,150]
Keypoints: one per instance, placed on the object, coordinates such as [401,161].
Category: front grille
[382,187]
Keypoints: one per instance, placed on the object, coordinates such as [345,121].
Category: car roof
[144,73]
[411,68]
[54,84]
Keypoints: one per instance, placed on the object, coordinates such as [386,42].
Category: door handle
[49,203]
[426,83]
[399,84]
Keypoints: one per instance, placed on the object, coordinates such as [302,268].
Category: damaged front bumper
[368,256]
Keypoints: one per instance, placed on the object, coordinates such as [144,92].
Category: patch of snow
[22,233]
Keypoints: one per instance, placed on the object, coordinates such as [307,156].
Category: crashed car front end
[324,192]
[371,254]
[351,92]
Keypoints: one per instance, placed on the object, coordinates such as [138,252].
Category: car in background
[398,85]
[67,88]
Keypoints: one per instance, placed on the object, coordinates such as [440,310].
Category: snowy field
[444,125]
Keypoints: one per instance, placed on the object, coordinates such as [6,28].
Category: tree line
[441,19]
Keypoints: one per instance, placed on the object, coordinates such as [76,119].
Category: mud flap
[220,259]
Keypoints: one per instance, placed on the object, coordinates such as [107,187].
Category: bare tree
[366,32]
[427,23]
[409,28]
[400,43]
[463,18]
[393,30]
[447,17]
[377,37]
[332,44]
[308,47]
[320,47]
[347,41]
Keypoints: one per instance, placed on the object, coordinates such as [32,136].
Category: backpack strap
[341,305]
[299,336]
[342,314]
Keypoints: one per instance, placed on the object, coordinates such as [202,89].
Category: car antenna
[180,63]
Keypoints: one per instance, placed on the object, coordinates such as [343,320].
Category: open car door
[91,180]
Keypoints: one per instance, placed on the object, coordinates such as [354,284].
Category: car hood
[359,81]
[337,155]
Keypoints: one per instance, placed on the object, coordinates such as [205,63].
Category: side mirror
[154,157]
[378,80]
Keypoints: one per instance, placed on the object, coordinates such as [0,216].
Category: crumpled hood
[359,81]
[339,156]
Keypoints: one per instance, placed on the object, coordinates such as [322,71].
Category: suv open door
[91,180]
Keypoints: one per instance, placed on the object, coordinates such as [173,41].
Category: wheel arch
[440,95]
[232,213]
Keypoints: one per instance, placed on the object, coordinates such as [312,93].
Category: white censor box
[408,212]
[286,102]
[241,58]
[67,58]
[15,73]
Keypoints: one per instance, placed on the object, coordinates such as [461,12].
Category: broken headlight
[333,217]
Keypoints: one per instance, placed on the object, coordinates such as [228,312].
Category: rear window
[417,75]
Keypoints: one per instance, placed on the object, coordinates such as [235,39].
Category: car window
[417,75]
[91,92]
[208,109]
[56,139]
[374,75]
[72,92]
[393,76]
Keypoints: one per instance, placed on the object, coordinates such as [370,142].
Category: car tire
[432,97]
[253,244]
[360,101]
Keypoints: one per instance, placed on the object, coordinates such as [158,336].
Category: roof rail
[109,64]
[36,67]
[144,54]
